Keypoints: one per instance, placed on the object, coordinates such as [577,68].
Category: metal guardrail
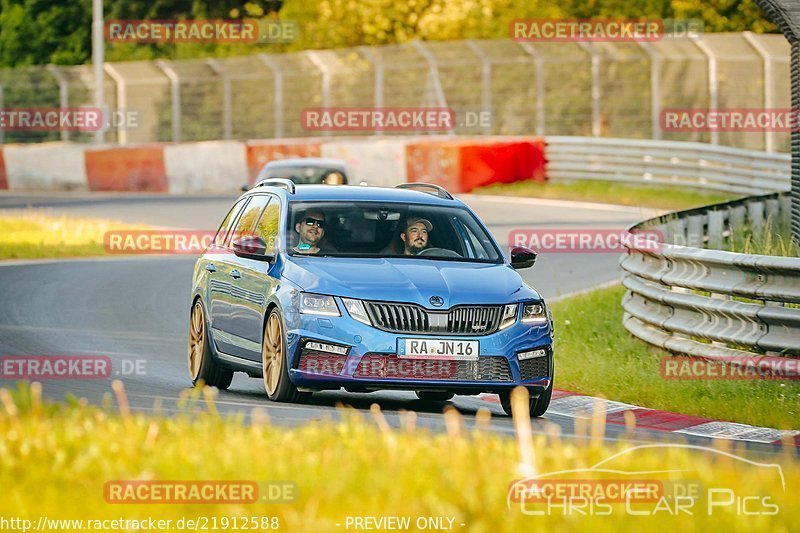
[686,164]
[712,303]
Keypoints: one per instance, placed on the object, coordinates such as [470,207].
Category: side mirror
[245,187]
[522,257]
[251,247]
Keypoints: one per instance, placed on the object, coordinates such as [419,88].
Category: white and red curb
[575,405]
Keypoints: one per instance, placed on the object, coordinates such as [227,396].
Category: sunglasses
[313,221]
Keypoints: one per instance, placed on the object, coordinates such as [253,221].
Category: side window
[250,214]
[222,232]
[268,225]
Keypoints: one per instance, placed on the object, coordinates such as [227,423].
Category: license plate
[439,349]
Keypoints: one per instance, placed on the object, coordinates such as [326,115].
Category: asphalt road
[136,309]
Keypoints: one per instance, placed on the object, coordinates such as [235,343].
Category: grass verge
[56,460]
[36,235]
[668,198]
[596,355]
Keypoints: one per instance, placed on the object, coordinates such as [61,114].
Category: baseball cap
[415,220]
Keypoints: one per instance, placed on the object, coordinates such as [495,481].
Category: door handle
[235,274]
[211,268]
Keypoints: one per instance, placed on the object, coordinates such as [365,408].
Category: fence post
[63,94]
[175,86]
[227,113]
[596,91]
[433,73]
[713,81]
[2,130]
[324,69]
[655,88]
[769,102]
[277,74]
[486,83]
[377,65]
[122,99]
[538,63]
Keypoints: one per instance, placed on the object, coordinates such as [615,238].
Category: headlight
[318,304]
[357,310]
[509,315]
[534,313]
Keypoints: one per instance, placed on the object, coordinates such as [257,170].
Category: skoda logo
[436,301]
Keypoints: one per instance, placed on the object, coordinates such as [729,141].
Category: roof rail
[432,188]
[277,182]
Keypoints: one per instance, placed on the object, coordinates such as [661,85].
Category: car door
[220,286]
[251,279]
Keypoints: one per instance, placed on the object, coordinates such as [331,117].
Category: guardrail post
[63,94]
[716,226]
[596,91]
[655,88]
[538,63]
[713,80]
[175,91]
[227,104]
[377,66]
[325,71]
[694,231]
[486,83]
[122,98]
[755,213]
[277,75]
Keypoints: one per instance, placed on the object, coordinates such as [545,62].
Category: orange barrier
[138,168]
[3,177]
[259,153]
[460,166]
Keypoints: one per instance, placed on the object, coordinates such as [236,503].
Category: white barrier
[378,162]
[212,166]
[51,166]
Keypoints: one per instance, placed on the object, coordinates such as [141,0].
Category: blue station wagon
[313,288]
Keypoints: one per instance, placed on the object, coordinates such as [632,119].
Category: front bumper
[371,362]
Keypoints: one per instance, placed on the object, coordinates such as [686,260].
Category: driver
[415,236]
[311,229]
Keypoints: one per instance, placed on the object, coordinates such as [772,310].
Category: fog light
[532,354]
[329,348]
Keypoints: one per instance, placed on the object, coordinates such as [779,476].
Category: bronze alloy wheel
[272,354]
[202,364]
[197,340]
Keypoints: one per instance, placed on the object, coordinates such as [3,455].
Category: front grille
[410,318]
[393,367]
[534,368]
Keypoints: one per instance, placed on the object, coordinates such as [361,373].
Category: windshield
[372,229]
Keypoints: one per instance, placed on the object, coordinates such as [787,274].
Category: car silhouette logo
[436,301]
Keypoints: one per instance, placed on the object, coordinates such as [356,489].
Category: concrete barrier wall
[211,166]
[49,166]
[139,168]
[223,166]
[377,162]
[3,180]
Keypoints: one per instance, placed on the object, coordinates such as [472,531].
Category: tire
[275,363]
[537,406]
[434,396]
[202,365]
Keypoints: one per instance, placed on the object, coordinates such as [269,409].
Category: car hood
[408,280]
